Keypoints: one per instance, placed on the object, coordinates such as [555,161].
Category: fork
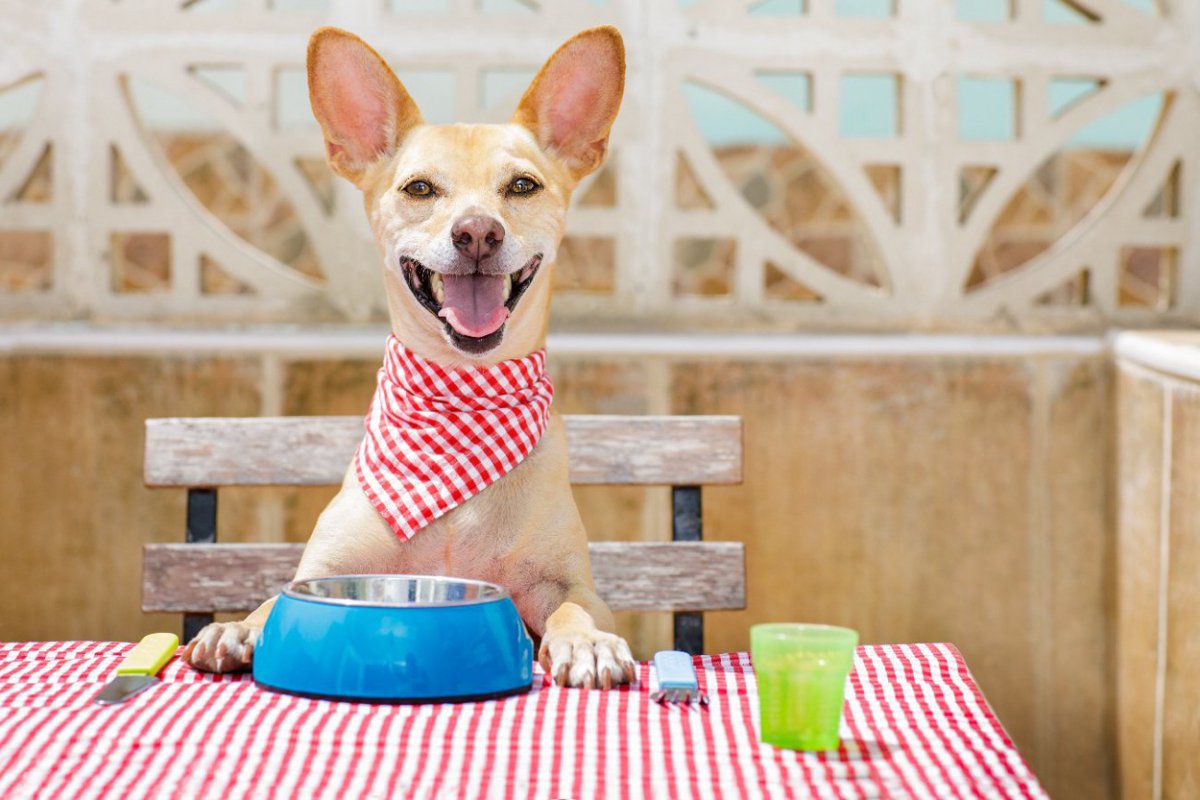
[676,679]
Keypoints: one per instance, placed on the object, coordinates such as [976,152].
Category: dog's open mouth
[473,307]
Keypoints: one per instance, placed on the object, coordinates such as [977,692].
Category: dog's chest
[477,538]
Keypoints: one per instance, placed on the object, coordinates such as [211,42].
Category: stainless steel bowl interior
[395,590]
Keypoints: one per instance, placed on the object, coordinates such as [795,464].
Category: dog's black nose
[477,237]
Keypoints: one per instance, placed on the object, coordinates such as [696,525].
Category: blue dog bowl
[394,638]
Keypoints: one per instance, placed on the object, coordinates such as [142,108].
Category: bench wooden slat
[314,451]
[630,576]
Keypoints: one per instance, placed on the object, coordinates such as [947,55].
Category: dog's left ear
[573,100]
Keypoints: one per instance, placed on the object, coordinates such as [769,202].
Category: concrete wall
[915,488]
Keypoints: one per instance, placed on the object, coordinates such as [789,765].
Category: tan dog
[489,202]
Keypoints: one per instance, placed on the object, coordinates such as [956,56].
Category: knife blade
[137,671]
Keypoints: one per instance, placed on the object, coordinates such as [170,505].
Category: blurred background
[893,235]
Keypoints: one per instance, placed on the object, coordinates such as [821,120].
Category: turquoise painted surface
[213,6]
[291,100]
[1055,11]
[504,7]
[432,89]
[18,104]
[230,81]
[778,8]
[1123,129]
[498,86]
[987,111]
[1062,13]
[159,109]
[868,9]
[1065,92]
[982,10]
[869,106]
[987,108]
[724,121]
[795,86]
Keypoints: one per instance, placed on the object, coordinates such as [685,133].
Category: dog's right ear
[363,108]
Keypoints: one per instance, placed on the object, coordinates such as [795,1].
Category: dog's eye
[419,189]
[523,186]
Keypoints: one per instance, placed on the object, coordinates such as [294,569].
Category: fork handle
[675,670]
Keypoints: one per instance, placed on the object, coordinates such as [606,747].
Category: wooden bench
[685,576]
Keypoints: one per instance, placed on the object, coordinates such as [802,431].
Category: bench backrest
[314,451]
[684,576]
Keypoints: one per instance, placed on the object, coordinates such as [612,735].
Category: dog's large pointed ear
[573,100]
[363,108]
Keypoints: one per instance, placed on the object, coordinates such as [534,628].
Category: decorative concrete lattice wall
[777,165]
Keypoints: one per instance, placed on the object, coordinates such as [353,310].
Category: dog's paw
[222,647]
[587,659]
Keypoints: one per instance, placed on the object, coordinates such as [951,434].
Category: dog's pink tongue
[474,304]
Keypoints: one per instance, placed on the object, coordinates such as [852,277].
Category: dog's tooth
[508,283]
[439,291]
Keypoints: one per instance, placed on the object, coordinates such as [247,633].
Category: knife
[136,672]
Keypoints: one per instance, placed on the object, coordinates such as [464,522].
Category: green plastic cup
[801,672]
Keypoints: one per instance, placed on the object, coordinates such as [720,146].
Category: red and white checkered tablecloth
[916,725]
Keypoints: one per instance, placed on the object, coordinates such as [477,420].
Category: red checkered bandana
[437,436]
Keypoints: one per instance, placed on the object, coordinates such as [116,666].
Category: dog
[481,207]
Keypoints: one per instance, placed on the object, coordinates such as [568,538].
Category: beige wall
[1158,566]
[956,498]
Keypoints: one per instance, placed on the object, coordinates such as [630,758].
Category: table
[916,725]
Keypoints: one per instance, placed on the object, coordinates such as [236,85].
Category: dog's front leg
[350,537]
[228,646]
[578,649]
